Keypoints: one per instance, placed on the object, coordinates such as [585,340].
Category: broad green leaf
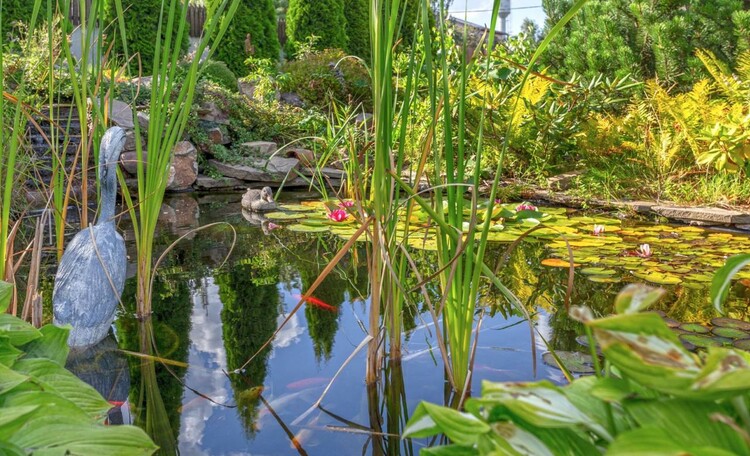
[90,440]
[693,422]
[725,374]
[8,449]
[636,297]
[53,344]
[6,294]
[55,378]
[9,416]
[645,350]
[18,331]
[9,379]
[8,353]
[651,441]
[449,450]
[723,278]
[540,404]
[429,419]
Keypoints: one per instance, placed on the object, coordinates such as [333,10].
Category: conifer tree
[357,14]
[322,18]
[252,32]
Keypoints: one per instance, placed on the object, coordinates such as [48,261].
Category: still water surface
[209,320]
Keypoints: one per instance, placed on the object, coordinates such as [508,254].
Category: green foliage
[322,77]
[656,398]
[15,11]
[357,14]
[256,20]
[47,409]
[219,73]
[322,18]
[645,39]
[141,19]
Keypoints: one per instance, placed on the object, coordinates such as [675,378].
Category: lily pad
[598,271]
[604,279]
[742,344]
[575,362]
[308,228]
[296,207]
[730,333]
[284,216]
[658,278]
[733,323]
[695,328]
[699,341]
[557,263]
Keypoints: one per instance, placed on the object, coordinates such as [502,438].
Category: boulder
[274,170]
[121,115]
[209,112]
[129,162]
[209,183]
[364,120]
[185,166]
[306,157]
[143,121]
[130,141]
[291,99]
[712,215]
[258,148]
[218,135]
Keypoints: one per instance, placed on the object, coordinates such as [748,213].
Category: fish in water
[308,383]
[317,303]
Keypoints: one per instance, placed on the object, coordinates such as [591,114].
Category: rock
[209,183]
[305,156]
[326,171]
[259,148]
[185,165]
[247,88]
[182,213]
[130,141]
[364,120]
[209,112]
[704,214]
[219,135]
[143,121]
[291,99]
[274,170]
[129,162]
[121,115]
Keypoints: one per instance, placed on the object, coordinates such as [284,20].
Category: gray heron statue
[91,274]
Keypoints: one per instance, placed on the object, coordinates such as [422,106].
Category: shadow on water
[210,320]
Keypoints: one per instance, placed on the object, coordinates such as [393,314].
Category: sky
[479,12]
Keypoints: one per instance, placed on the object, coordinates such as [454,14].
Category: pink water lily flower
[498,201]
[598,230]
[345,204]
[272,226]
[339,215]
[644,251]
[525,207]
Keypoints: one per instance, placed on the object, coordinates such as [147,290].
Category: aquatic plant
[599,230]
[338,215]
[46,408]
[654,398]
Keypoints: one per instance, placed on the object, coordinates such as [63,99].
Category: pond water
[210,318]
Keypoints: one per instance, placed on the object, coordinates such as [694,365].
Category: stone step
[259,148]
[707,215]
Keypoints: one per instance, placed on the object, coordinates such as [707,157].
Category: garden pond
[217,302]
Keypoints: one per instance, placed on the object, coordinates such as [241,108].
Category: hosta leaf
[85,440]
[449,450]
[636,297]
[690,422]
[8,353]
[429,419]
[9,379]
[55,378]
[726,372]
[540,404]
[6,293]
[53,345]
[651,441]
[18,331]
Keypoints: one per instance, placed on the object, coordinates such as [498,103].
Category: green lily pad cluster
[603,249]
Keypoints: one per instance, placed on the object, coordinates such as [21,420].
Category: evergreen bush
[358,27]
[219,73]
[141,27]
[322,18]
[256,19]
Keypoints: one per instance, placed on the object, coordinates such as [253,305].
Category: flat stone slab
[209,183]
[563,181]
[703,214]
[274,170]
[259,148]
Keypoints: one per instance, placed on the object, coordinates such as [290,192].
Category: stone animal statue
[255,200]
[91,274]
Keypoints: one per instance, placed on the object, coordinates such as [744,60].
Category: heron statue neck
[109,155]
